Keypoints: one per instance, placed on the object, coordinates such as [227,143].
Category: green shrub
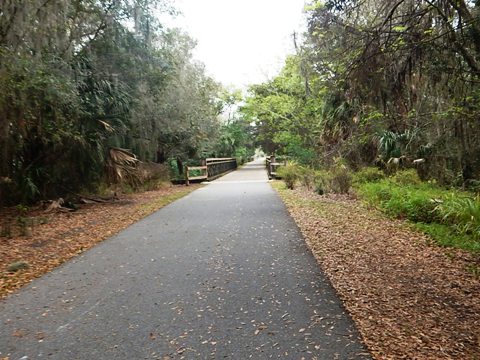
[406,177]
[322,179]
[341,179]
[153,185]
[413,205]
[307,177]
[368,174]
[289,174]
[337,180]
[444,235]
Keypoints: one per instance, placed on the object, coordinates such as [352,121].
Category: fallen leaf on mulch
[410,299]
[56,237]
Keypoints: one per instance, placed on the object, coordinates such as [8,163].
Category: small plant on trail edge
[307,177]
[6,231]
[289,174]
[23,221]
[16,266]
[22,209]
[322,182]
[341,177]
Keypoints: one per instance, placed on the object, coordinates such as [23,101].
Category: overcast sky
[241,41]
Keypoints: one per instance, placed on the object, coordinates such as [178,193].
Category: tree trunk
[180,166]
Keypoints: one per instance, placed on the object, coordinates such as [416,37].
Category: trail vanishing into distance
[221,273]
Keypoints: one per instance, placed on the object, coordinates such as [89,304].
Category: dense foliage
[79,78]
[382,82]
[382,95]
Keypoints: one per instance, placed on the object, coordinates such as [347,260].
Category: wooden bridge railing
[272,165]
[220,166]
[211,168]
[203,173]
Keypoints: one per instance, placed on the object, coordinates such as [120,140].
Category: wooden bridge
[213,168]
[210,169]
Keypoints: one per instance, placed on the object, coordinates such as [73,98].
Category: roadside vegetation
[383,103]
[450,216]
[100,93]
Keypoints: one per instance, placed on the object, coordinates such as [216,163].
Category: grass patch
[288,196]
[278,185]
[414,202]
[450,217]
[445,236]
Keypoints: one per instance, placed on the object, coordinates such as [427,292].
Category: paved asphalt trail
[221,274]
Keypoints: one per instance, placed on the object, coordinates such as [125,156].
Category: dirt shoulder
[57,237]
[409,298]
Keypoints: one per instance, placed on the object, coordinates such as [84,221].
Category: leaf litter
[409,298]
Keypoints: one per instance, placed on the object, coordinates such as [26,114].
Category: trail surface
[221,274]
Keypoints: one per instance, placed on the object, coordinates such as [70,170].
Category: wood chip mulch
[409,298]
[57,237]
